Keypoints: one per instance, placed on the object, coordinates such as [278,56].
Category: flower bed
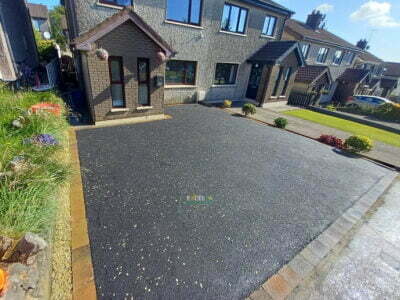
[32,167]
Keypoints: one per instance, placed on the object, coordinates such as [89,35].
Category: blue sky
[375,20]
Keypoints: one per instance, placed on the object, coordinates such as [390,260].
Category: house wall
[205,44]
[18,34]
[129,42]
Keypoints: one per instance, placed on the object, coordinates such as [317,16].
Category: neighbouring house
[39,16]
[352,82]
[367,61]
[390,81]
[18,52]
[214,50]
[320,48]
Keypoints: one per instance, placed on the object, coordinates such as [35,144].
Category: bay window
[322,55]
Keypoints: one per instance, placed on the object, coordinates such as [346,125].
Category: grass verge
[28,199]
[373,133]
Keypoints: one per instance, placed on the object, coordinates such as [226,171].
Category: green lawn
[348,126]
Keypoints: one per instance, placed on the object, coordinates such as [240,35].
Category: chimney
[315,19]
[363,44]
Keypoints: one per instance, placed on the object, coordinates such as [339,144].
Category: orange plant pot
[52,108]
[3,281]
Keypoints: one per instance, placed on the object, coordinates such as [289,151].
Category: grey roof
[309,74]
[271,5]
[354,75]
[321,35]
[369,57]
[38,11]
[392,69]
[275,51]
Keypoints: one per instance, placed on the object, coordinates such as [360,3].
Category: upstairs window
[225,74]
[338,57]
[269,26]
[305,48]
[117,2]
[348,58]
[234,18]
[322,54]
[184,11]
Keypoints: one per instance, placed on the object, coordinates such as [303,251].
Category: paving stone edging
[83,282]
[302,266]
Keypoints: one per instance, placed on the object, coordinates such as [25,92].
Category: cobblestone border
[83,283]
[302,266]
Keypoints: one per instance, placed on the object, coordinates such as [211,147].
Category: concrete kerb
[303,265]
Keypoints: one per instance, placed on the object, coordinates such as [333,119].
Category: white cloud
[377,14]
[325,8]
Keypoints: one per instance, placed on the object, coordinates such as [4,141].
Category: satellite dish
[46,35]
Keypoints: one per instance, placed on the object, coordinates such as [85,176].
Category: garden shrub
[227,103]
[281,122]
[388,111]
[47,50]
[331,140]
[358,143]
[331,107]
[249,109]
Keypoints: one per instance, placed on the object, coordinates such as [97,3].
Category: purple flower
[42,140]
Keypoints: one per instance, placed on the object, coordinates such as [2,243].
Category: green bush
[388,111]
[281,122]
[358,143]
[227,103]
[28,198]
[331,107]
[249,109]
[47,50]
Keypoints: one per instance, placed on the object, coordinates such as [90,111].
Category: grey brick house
[215,50]
[321,48]
[390,81]
[17,43]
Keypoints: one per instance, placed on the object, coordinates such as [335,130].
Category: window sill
[180,87]
[273,97]
[124,109]
[110,5]
[233,33]
[144,107]
[183,24]
[282,96]
[223,85]
[264,36]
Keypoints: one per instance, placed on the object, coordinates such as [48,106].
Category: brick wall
[130,43]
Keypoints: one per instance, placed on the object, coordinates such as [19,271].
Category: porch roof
[388,83]
[310,74]
[84,41]
[276,51]
[354,75]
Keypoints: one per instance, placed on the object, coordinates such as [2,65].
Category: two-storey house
[179,51]
[327,57]
[18,53]
[367,61]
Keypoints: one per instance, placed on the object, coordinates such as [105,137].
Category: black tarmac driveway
[207,205]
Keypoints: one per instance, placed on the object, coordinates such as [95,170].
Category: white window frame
[323,53]
[337,59]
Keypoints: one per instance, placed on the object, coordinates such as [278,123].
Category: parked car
[366,101]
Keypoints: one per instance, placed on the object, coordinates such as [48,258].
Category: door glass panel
[115,70]
[117,95]
[143,71]
[143,95]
